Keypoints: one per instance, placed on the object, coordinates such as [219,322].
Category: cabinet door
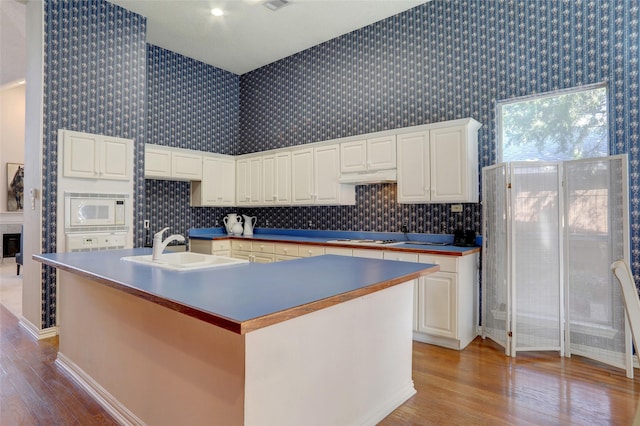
[242,182]
[327,172]
[80,155]
[437,295]
[116,158]
[186,166]
[218,182]
[282,178]
[449,164]
[269,179]
[413,167]
[157,163]
[302,176]
[225,181]
[381,153]
[255,179]
[353,156]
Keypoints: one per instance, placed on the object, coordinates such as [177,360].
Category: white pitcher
[249,223]
[230,220]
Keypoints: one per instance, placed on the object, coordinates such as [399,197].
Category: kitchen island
[315,341]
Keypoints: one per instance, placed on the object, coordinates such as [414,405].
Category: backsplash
[376,210]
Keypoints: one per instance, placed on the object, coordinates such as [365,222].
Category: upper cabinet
[439,165]
[248,181]
[368,154]
[171,163]
[93,156]
[276,178]
[218,184]
[432,163]
[314,176]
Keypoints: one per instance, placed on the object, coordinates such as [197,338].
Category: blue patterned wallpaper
[189,105]
[440,61]
[94,81]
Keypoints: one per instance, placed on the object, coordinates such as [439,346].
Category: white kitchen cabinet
[368,253]
[157,163]
[314,176]
[368,154]
[302,186]
[217,187]
[186,166]
[93,156]
[217,247]
[286,251]
[167,163]
[439,165]
[339,251]
[248,181]
[446,302]
[276,178]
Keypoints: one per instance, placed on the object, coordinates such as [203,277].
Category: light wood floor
[478,386]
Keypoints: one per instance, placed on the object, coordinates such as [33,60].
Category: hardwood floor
[478,386]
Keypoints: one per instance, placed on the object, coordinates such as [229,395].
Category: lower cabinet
[217,247]
[446,302]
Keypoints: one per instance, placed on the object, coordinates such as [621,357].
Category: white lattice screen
[537,273]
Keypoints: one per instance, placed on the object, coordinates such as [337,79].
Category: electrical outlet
[456,208]
[146,224]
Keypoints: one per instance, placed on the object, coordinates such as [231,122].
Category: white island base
[347,364]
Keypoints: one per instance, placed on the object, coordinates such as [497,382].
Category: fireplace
[10,245]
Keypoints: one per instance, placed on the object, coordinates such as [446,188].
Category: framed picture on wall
[15,190]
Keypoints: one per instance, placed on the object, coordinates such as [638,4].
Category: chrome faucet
[159,245]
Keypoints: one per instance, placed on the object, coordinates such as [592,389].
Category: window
[566,125]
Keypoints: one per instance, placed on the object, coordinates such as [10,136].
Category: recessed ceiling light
[217,12]
[275,4]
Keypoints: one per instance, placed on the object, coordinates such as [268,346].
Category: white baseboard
[400,397]
[98,393]
[37,333]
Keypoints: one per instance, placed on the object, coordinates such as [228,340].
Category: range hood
[378,176]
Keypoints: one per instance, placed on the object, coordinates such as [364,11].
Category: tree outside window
[566,125]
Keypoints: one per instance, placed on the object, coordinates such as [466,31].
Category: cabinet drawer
[282,258]
[403,257]
[240,245]
[370,254]
[262,247]
[262,258]
[246,255]
[226,253]
[286,249]
[220,245]
[447,263]
[308,251]
[340,251]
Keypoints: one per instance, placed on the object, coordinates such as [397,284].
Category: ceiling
[248,35]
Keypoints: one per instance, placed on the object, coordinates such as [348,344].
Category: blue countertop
[306,236]
[244,297]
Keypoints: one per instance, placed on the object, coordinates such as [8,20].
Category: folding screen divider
[551,230]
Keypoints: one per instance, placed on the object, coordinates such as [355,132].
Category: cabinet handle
[285,250]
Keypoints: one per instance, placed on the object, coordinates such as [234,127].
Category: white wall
[12,115]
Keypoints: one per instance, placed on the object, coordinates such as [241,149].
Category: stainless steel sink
[185,261]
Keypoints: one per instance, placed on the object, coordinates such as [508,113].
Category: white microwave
[96,210]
